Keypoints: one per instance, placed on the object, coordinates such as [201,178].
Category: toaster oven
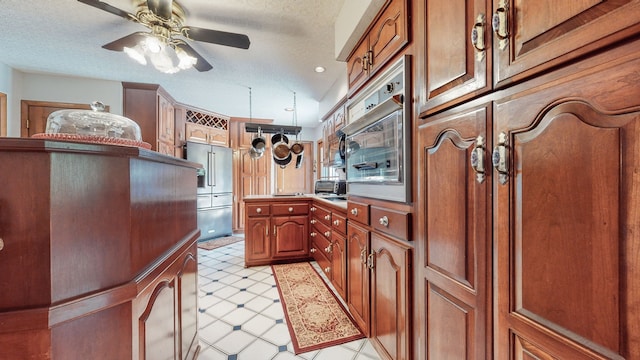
[330,187]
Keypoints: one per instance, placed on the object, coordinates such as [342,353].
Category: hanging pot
[297,148]
[280,148]
[283,162]
[259,143]
[342,147]
[255,154]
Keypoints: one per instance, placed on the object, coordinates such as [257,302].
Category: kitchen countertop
[337,203]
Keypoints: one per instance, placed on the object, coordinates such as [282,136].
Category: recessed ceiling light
[319,69]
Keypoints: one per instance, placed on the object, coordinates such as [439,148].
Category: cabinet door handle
[365,62]
[363,256]
[500,158]
[477,37]
[274,230]
[354,212]
[384,221]
[477,159]
[371,261]
[500,24]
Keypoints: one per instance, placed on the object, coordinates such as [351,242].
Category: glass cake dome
[94,122]
[93,126]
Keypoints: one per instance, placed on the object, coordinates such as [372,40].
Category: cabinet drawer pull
[327,217]
[1,244]
[259,210]
[384,221]
[290,209]
[313,234]
[313,209]
[328,249]
[313,250]
[327,233]
[354,212]
[336,222]
[313,221]
[327,270]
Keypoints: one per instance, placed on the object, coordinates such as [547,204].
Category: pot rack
[272,129]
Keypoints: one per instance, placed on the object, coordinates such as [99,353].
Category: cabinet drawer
[290,209]
[392,222]
[322,228]
[322,242]
[358,212]
[323,261]
[321,214]
[339,223]
[258,210]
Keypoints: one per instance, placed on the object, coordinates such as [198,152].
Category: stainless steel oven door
[374,154]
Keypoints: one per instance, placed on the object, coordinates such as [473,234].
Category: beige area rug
[315,317]
[219,242]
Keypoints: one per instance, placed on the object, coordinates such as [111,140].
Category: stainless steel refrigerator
[215,186]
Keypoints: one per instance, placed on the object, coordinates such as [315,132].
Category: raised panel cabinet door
[389,34]
[188,304]
[339,263]
[358,65]
[566,209]
[257,239]
[197,133]
[34,115]
[290,236]
[536,35]
[390,297]
[157,330]
[166,120]
[454,260]
[358,273]
[458,63]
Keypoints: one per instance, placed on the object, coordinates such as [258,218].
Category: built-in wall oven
[377,142]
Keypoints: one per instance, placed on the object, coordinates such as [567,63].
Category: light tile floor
[241,317]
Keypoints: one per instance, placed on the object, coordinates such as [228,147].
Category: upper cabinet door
[530,36]
[458,63]
[388,35]
[358,65]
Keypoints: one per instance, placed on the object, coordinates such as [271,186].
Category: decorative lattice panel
[207,120]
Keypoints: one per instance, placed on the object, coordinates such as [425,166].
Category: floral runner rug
[315,317]
[219,242]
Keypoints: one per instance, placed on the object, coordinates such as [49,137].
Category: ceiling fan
[165,19]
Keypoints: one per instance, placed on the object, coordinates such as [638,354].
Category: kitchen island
[97,251]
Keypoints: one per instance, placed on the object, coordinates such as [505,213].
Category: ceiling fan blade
[201,64]
[162,8]
[128,41]
[217,37]
[108,8]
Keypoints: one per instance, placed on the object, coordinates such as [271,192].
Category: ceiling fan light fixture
[136,53]
[186,61]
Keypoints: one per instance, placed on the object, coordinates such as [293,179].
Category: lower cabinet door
[390,301]
[339,264]
[290,236]
[257,244]
[358,283]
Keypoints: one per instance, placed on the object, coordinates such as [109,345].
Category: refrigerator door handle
[212,168]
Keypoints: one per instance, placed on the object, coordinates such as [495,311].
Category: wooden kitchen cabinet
[117,279]
[206,127]
[152,108]
[390,271]
[386,37]
[455,69]
[277,231]
[537,35]
[453,267]
[358,272]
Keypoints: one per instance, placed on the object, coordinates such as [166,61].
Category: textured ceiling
[289,38]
